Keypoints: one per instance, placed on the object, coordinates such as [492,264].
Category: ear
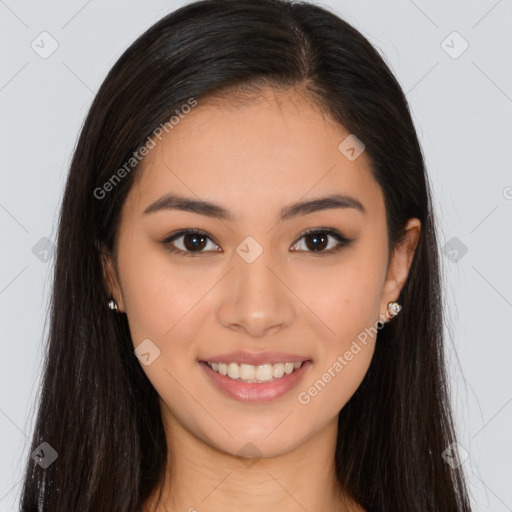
[110,277]
[399,266]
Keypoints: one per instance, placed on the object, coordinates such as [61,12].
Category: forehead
[276,148]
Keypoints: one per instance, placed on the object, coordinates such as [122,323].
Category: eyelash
[342,241]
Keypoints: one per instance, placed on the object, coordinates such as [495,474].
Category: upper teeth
[251,374]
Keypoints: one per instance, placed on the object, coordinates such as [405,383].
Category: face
[263,282]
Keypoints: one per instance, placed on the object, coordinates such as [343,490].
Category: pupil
[317,238]
[193,246]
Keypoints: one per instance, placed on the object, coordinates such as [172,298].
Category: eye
[194,241]
[317,240]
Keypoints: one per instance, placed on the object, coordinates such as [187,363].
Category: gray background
[461,104]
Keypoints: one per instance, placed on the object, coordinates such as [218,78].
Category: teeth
[278,370]
[251,374]
[233,371]
[247,371]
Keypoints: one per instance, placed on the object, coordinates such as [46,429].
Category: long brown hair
[97,409]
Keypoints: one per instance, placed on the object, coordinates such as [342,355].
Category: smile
[256,383]
[254,374]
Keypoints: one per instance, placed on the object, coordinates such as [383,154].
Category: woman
[246,309]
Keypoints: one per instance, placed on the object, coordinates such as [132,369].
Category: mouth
[254,374]
[260,382]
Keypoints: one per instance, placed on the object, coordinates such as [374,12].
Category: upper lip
[255,359]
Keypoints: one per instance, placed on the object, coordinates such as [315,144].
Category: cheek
[334,383]
[167,304]
[345,299]
[349,307]
[158,294]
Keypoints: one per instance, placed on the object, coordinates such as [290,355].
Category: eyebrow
[188,204]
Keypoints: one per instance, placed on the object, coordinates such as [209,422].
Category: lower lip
[254,392]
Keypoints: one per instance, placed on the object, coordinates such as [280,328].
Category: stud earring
[394,308]
[112,305]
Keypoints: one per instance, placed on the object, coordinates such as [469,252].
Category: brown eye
[317,240]
[193,241]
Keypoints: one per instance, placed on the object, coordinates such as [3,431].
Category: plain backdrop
[451,61]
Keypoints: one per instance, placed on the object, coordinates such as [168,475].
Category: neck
[202,478]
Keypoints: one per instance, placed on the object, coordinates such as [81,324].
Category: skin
[254,159]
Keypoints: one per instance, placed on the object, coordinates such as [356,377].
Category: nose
[256,298]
